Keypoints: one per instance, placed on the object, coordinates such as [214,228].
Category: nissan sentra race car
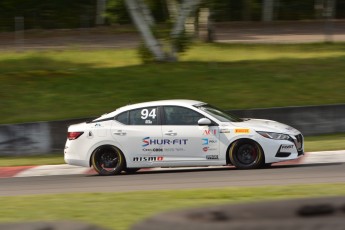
[175,133]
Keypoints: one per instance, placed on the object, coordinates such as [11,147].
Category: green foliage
[117,12]
[145,54]
[47,14]
[295,10]
[182,42]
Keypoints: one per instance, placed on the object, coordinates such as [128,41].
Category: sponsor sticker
[286,148]
[208,132]
[148,159]
[242,131]
[204,141]
[206,149]
[148,141]
[224,131]
[174,149]
[212,157]
[153,150]
[207,141]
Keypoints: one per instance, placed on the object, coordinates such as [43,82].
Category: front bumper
[282,150]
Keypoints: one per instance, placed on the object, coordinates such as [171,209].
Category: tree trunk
[267,10]
[172,8]
[146,13]
[142,23]
[187,7]
[101,8]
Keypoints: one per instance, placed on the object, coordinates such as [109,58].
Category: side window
[144,116]
[175,115]
[122,118]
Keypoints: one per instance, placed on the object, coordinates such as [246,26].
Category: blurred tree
[177,40]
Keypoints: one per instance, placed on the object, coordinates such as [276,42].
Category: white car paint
[159,145]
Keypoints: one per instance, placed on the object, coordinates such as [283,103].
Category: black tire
[131,170]
[246,154]
[267,165]
[108,160]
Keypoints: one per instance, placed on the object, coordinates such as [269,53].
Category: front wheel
[107,160]
[246,154]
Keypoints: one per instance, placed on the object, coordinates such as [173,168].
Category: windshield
[221,115]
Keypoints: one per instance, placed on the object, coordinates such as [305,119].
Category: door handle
[119,132]
[170,133]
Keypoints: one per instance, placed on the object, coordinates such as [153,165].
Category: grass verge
[121,210]
[56,85]
[313,143]
[47,159]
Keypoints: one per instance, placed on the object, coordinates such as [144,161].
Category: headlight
[275,136]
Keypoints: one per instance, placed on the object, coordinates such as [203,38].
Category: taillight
[74,135]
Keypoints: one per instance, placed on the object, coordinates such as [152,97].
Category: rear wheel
[246,154]
[107,160]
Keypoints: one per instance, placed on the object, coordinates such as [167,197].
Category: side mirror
[204,121]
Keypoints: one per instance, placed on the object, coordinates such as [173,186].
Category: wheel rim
[247,154]
[107,160]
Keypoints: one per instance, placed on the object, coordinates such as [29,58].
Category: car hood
[267,126]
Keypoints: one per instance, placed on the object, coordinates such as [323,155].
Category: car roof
[180,102]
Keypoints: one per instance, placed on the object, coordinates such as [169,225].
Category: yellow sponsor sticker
[242,130]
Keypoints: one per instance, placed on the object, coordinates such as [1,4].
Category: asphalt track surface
[178,179]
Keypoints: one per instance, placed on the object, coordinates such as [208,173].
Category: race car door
[136,131]
[186,142]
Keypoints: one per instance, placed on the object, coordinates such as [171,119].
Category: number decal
[153,113]
[145,114]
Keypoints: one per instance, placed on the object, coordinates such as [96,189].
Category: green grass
[121,210]
[325,142]
[55,85]
[47,159]
[313,143]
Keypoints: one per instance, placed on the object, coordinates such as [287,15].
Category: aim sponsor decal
[207,132]
[242,131]
[148,158]
[148,141]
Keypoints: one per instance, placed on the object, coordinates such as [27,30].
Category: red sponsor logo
[205,149]
[210,132]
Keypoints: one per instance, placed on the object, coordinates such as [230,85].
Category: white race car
[175,133]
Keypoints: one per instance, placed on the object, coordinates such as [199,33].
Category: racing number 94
[145,113]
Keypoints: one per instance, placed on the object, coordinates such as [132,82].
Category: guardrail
[50,137]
